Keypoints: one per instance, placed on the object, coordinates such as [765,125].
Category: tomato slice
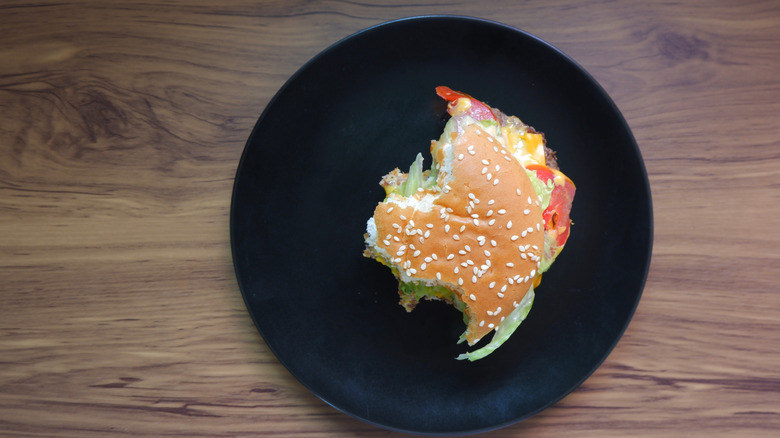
[477,110]
[556,217]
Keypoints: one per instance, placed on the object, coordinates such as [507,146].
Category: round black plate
[308,181]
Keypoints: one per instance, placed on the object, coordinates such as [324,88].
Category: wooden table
[121,126]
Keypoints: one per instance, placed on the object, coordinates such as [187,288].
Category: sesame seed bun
[478,232]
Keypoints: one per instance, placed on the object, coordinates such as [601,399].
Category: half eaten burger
[479,228]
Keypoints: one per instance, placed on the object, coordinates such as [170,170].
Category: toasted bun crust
[479,233]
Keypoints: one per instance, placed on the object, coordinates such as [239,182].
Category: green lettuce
[504,329]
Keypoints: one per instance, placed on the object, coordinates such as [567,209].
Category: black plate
[308,181]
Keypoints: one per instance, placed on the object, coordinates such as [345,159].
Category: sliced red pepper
[477,110]
[556,217]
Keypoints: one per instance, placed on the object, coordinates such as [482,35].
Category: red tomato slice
[556,217]
[477,110]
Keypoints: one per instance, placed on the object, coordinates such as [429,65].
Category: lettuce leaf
[504,329]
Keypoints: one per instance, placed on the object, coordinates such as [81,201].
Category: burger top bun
[478,232]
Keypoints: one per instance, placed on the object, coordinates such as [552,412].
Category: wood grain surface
[121,126]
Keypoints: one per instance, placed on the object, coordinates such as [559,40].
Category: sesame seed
[386,242]
[396,226]
[428,259]
[403,218]
[490,139]
[427,234]
[451,256]
[413,271]
[497,311]
[473,278]
[455,237]
[524,256]
[396,238]
[500,295]
[491,222]
[503,288]
[495,181]
[400,252]
[460,283]
[482,323]
[487,253]
[460,157]
[471,152]
[530,229]
[489,213]
[492,284]
[446,228]
[390,209]
[473,298]
[495,149]
[416,253]
[510,265]
[490,312]
[434,256]
[484,170]
[502,211]
[493,243]
[476,222]
[469,262]
[476,200]
[474,215]
[510,280]
[491,202]
[471,196]
[476,270]
[456,270]
[515,237]
[478,132]
[519,193]
[533,273]
[526,211]
[438,275]
[538,226]
[509,225]
[485,162]
[411,246]
[491,325]
[530,201]
[498,167]
[489,176]
[506,157]
[423,266]
[429,225]
[462,228]
[467,248]
[398,260]
[461,252]
[465,265]
[524,233]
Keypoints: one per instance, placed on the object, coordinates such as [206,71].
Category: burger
[480,227]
